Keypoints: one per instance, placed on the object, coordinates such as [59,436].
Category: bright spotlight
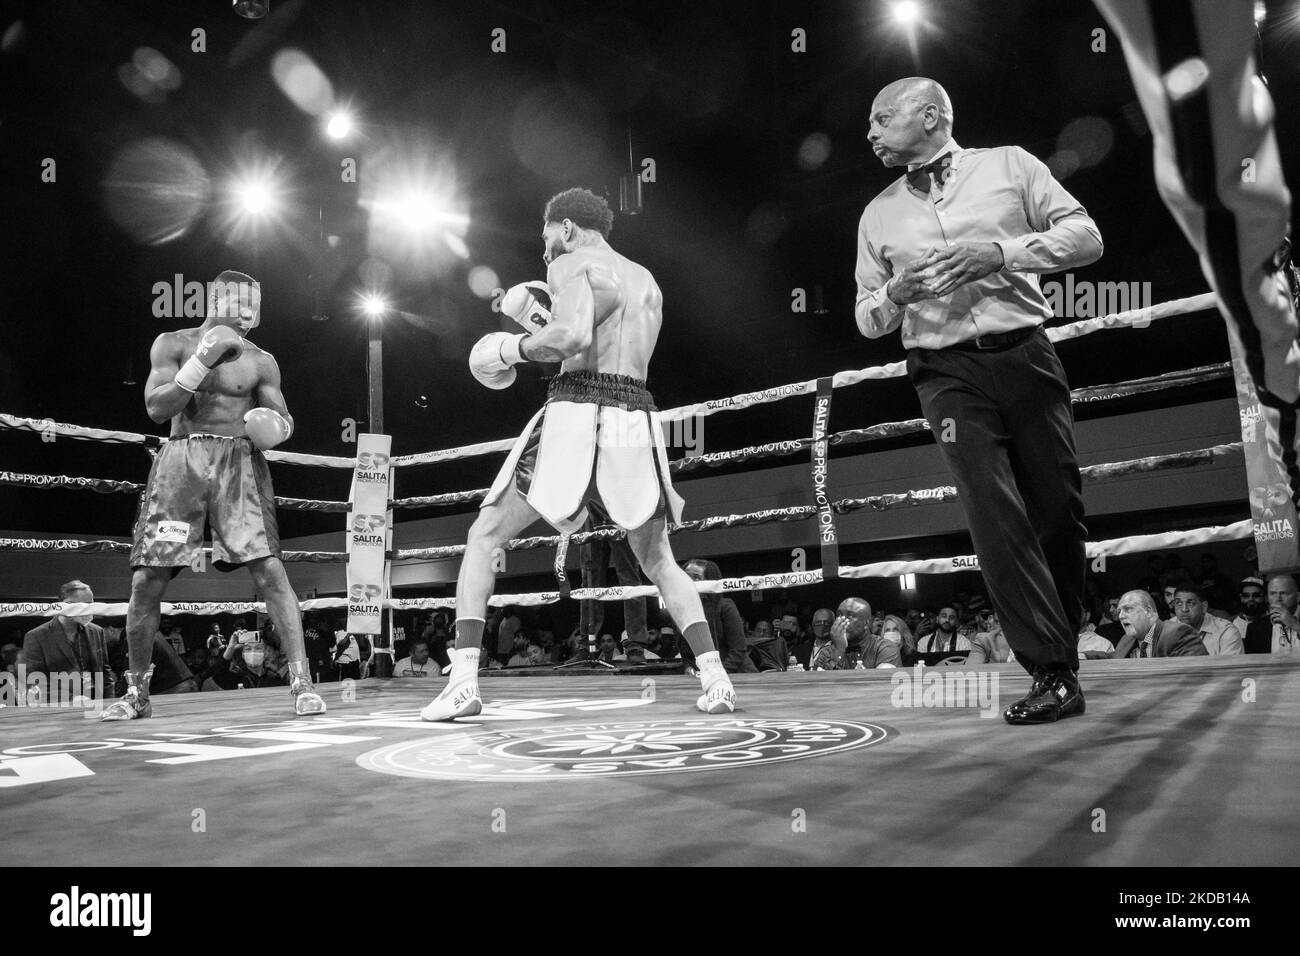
[373,305]
[906,13]
[339,125]
[255,196]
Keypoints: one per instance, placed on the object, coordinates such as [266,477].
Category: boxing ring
[1169,767]
[1178,762]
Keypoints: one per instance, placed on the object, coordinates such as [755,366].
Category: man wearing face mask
[70,644]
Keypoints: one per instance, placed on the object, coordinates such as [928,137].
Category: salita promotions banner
[369,534]
[1272,510]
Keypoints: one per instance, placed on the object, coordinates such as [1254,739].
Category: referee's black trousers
[1004,423]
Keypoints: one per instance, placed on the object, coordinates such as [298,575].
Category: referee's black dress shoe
[1055,694]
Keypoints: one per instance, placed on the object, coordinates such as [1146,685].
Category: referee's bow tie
[919,178]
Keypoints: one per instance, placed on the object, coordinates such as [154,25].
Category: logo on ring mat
[621,749]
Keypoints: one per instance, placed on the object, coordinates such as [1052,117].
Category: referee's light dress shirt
[1001,195]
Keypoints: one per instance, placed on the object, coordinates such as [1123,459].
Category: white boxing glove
[529,304]
[266,427]
[493,355]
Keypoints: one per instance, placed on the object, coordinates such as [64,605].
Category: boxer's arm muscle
[573,310]
[268,386]
[163,398]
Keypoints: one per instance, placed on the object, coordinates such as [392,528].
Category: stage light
[339,125]
[255,196]
[255,200]
[1260,12]
[906,13]
[373,305]
[251,9]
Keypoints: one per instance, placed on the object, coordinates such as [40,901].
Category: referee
[951,253]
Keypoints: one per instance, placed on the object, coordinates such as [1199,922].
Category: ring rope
[1113,547]
[1177,379]
[942,493]
[1139,318]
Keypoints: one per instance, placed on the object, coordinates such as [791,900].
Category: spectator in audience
[1220,637]
[348,655]
[1170,583]
[510,626]
[70,643]
[787,628]
[1145,635]
[1278,632]
[597,555]
[1110,628]
[519,652]
[726,626]
[1251,603]
[418,663]
[9,658]
[664,642]
[766,648]
[894,628]
[1091,644]
[215,643]
[246,656]
[912,618]
[946,639]
[822,620]
[608,648]
[989,645]
[926,627]
[318,643]
[200,665]
[170,673]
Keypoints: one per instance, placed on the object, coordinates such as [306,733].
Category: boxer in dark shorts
[222,396]
[181,498]
[598,436]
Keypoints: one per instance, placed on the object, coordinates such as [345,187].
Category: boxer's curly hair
[582,206]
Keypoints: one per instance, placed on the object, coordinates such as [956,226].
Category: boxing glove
[529,304]
[218,344]
[492,357]
[266,427]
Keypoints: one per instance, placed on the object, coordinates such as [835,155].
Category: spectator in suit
[1145,635]
[1279,631]
[70,643]
[1192,608]
[802,650]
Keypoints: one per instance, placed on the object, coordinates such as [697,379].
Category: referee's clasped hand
[913,283]
[960,263]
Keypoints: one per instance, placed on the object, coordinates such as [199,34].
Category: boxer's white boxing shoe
[305,699]
[719,696]
[460,698]
[132,706]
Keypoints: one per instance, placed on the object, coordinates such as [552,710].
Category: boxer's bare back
[626,309]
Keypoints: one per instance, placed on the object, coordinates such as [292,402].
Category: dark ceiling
[735,220]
